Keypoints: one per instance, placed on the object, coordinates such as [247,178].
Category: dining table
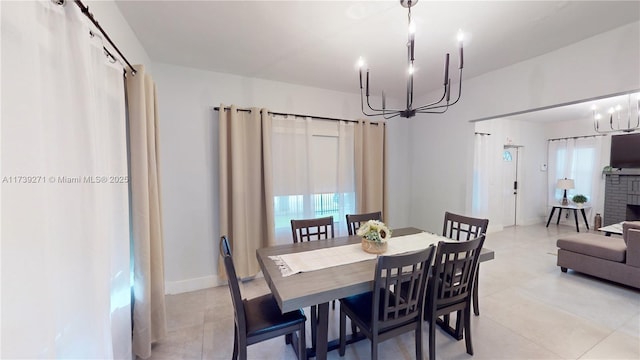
[321,286]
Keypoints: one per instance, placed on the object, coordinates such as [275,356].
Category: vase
[374,247]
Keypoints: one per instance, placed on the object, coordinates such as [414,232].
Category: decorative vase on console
[374,235]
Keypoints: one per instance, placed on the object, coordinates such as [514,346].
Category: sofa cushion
[629,225]
[603,247]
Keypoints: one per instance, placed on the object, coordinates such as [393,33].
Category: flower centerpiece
[374,235]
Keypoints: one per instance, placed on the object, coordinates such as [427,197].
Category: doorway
[510,160]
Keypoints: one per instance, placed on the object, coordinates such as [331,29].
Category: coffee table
[612,229]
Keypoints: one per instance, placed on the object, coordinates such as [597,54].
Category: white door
[510,190]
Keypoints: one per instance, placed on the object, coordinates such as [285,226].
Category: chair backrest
[355,220]
[399,288]
[459,227]
[454,271]
[312,229]
[234,287]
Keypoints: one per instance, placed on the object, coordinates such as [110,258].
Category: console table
[575,214]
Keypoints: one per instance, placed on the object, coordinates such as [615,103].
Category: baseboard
[183,286]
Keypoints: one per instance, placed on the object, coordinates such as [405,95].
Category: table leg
[551,215]
[323,331]
[575,215]
[584,216]
[559,213]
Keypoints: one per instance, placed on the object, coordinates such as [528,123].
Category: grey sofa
[612,258]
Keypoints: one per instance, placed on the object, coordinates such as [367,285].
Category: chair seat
[361,304]
[263,316]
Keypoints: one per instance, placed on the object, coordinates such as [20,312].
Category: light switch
[543,167]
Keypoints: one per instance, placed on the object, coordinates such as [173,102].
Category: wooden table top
[321,286]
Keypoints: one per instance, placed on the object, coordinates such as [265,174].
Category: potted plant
[374,235]
[579,199]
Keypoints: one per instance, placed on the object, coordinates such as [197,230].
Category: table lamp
[565,184]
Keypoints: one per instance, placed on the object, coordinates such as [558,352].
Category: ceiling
[317,43]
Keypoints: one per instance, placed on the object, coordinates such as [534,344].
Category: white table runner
[306,261]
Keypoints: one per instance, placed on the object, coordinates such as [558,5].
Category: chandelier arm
[378,110]
[430,111]
[433,106]
[362,105]
[444,94]
[391,117]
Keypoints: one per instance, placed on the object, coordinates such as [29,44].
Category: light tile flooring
[529,310]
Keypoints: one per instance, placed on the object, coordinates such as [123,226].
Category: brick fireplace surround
[622,196]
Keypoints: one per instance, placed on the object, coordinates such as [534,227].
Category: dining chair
[382,314]
[312,229]
[260,318]
[308,230]
[450,289]
[463,228]
[355,220]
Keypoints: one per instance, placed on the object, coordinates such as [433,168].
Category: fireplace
[633,212]
[622,196]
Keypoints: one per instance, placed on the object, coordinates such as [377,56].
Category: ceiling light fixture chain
[614,112]
[437,107]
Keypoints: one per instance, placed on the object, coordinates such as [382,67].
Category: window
[577,159]
[313,172]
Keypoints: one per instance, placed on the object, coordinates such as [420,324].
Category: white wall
[443,144]
[189,158]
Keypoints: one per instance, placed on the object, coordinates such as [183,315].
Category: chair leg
[343,332]
[419,341]
[333,304]
[476,308]
[374,347]
[242,348]
[432,337]
[287,339]
[314,325]
[235,343]
[467,329]
[302,344]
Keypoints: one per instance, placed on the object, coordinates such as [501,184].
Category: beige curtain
[246,185]
[149,323]
[369,154]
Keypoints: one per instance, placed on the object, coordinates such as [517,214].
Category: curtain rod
[576,137]
[85,10]
[217,108]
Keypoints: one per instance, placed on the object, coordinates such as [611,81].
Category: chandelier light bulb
[360,62]
[619,113]
[411,69]
[594,107]
[412,27]
[460,36]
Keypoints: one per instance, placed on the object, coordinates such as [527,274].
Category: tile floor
[529,310]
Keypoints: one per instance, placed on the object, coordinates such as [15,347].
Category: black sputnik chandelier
[437,107]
